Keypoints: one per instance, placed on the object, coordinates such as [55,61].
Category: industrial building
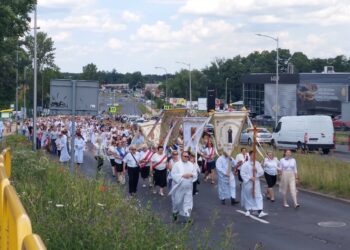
[298,94]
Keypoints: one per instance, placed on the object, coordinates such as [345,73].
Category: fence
[15,226]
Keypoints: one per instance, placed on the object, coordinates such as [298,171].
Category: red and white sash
[160,162]
[147,158]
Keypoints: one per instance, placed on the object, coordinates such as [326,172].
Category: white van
[313,132]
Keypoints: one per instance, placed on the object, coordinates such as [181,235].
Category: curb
[328,196]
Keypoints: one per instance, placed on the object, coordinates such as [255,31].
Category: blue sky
[137,35]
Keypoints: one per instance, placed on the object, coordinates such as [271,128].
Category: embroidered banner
[168,120]
[192,130]
[228,127]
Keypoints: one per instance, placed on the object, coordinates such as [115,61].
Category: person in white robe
[64,157]
[183,173]
[248,201]
[226,179]
[79,145]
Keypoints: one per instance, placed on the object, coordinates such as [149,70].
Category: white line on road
[254,217]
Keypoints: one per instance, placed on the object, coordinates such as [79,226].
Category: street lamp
[35,78]
[277,77]
[189,70]
[226,90]
[166,82]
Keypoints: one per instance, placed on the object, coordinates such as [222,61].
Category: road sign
[113,110]
[167,107]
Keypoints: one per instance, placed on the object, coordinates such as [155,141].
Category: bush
[72,212]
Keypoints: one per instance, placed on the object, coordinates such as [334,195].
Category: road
[283,228]
[107,99]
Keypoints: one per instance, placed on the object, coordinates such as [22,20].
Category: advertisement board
[202,104]
[286,100]
[315,98]
[86,97]
[177,101]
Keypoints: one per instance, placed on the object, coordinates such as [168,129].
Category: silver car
[263,136]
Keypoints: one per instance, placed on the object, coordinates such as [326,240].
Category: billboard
[286,99]
[177,101]
[202,104]
[86,97]
[313,98]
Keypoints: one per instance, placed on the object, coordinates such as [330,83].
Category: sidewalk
[342,149]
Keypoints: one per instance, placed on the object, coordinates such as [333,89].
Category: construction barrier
[15,225]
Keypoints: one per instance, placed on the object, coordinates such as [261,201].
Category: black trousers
[133,174]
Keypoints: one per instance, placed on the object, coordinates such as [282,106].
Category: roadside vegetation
[143,109]
[72,212]
[342,137]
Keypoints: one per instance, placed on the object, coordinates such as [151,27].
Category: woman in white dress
[64,151]
[79,145]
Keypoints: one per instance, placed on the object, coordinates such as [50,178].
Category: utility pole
[35,79]
[16,84]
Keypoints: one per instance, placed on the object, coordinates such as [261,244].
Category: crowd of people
[125,150]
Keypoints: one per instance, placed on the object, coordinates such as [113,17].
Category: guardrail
[15,226]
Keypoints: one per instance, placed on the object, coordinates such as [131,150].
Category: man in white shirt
[241,158]
[183,174]
[131,160]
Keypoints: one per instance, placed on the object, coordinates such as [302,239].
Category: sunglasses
[186,156]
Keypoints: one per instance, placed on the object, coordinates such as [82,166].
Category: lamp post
[166,82]
[277,76]
[16,83]
[226,91]
[35,78]
[189,70]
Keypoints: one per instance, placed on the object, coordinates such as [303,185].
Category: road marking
[254,217]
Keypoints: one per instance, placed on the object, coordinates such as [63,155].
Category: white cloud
[129,16]
[193,32]
[114,43]
[63,3]
[61,36]
[94,21]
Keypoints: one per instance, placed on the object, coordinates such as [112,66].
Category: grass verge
[72,212]
[342,137]
[143,109]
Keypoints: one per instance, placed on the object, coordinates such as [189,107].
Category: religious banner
[192,130]
[151,131]
[168,120]
[228,127]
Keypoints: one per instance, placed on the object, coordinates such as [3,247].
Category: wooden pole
[254,158]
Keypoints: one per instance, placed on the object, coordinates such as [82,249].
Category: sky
[138,35]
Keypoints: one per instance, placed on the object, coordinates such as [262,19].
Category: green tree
[300,62]
[14,22]
[90,72]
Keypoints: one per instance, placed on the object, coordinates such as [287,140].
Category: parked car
[263,136]
[312,132]
[263,120]
[339,124]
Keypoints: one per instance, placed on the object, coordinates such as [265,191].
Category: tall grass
[72,212]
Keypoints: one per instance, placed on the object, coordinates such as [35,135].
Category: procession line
[254,217]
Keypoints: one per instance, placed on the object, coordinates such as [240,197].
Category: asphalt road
[283,228]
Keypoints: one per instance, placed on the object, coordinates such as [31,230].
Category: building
[117,86]
[153,88]
[298,94]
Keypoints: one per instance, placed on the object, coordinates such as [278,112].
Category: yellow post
[17,222]
[3,183]
[33,242]
[6,154]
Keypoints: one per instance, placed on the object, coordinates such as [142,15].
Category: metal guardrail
[15,226]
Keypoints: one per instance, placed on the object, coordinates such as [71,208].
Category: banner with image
[151,131]
[228,127]
[192,130]
[168,120]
